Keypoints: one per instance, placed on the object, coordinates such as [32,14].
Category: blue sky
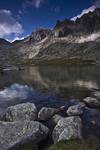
[18,18]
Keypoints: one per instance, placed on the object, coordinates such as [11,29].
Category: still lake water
[48,85]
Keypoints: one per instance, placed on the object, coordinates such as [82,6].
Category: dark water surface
[48,85]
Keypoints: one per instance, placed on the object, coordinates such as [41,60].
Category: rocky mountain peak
[64,23]
[40,34]
[87,24]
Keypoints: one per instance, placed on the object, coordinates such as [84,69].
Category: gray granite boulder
[75,110]
[25,111]
[46,113]
[12,134]
[92,102]
[67,128]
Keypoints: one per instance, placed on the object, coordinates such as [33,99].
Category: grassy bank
[73,145]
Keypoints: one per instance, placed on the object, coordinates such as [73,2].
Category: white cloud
[33,3]
[85,11]
[8,24]
[37,3]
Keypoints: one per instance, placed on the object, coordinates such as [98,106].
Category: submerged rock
[96,94]
[12,134]
[92,102]
[91,122]
[25,111]
[75,110]
[46,113]
[67,128]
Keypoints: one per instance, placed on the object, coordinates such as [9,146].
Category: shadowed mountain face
[90,22]
[78,39]
[87,24]
[4,42]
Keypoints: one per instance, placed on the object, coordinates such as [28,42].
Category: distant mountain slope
[78,39]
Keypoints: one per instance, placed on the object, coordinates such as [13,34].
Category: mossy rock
[73,145]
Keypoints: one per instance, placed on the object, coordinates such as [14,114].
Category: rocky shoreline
[24,123]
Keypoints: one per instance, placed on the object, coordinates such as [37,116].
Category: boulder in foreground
[67,128]
[12,134]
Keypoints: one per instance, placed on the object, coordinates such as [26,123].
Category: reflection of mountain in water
[65,81]
[71,81]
